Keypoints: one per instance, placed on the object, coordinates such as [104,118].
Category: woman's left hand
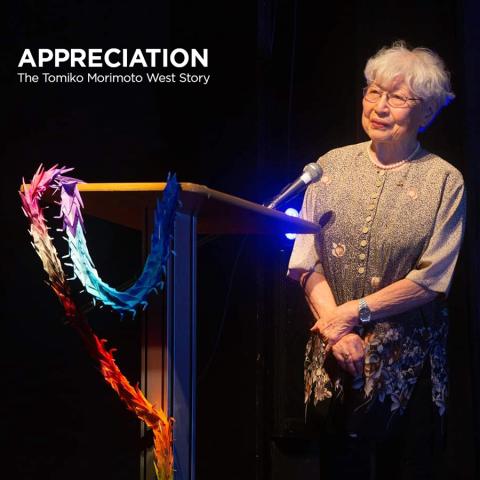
[337,322]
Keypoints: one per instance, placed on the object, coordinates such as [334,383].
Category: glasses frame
[389,95]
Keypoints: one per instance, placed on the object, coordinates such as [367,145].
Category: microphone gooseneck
[311,173]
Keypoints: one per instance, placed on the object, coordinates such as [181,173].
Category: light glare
[291,212]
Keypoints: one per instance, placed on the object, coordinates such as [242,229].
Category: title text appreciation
[114,58]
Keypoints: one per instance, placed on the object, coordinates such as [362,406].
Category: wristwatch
[364,313]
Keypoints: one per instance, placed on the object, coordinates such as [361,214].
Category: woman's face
[386,124]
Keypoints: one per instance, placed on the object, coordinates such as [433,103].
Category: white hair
[422,70]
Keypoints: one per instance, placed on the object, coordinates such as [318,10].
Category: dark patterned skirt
[368,442]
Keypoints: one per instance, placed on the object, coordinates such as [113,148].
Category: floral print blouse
[380,226]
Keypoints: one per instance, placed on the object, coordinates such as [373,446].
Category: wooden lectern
[169,328]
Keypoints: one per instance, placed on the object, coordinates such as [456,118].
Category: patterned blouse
[380,226]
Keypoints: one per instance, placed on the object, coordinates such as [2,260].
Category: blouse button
[374,195]
[369,218]
[365,229]
[361,270]
[381,172]
[363,243]
[371,206]
[378,183]
[362,256]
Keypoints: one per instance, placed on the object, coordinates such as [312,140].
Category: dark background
[286,79]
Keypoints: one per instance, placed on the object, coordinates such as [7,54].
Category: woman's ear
[429,112]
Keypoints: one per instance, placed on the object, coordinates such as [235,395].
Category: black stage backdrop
[286,79]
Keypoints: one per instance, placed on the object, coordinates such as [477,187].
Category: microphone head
[314,172]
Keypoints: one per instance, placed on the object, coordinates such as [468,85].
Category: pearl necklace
[391,165]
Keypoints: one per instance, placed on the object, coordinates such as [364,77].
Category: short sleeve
[305,256]
[434,269]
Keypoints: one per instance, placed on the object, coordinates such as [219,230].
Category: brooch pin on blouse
[326,180]
[338,250]
[412,194]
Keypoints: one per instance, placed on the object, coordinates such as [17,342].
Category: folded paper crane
[151,279]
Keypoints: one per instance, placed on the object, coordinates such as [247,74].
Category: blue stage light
[291,212]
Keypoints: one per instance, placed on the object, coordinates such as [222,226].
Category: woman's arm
[318,294]
[399,297]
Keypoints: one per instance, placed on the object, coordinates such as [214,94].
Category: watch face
[364,314]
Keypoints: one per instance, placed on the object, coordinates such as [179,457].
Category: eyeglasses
[374,94]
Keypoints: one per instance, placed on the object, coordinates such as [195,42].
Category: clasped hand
[335,327]
[336,322]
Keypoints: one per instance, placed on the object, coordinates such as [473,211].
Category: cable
[205,369]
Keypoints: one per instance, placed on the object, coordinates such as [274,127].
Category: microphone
[311,173]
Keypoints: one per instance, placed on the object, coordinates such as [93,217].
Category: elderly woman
[375,279]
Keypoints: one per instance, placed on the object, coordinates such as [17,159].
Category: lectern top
[216,212]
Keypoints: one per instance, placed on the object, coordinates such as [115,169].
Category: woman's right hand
[349,352]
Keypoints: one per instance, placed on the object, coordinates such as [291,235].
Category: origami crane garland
[154,268]
[126,301]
